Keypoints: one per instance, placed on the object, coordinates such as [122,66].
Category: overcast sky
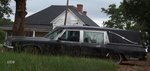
[93,7]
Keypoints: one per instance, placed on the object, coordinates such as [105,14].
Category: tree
[5,10]
[130,15]
[118,18]
[18,27]
[139,11]
[5,21]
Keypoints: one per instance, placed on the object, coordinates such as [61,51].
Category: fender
[37,46]
[116,52]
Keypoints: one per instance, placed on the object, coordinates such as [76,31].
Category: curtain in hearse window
[117,38]
[93,37]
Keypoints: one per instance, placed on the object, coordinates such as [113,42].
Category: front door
[70,42]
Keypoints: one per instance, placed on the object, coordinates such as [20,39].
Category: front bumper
[7,46]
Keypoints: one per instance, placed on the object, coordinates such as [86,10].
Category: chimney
[84,12]
[80,8]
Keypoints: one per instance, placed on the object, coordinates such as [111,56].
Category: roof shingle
[44,17]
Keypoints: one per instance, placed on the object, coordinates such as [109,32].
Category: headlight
[8,43]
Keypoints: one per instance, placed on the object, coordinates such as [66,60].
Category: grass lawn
[1,47]
[27,62]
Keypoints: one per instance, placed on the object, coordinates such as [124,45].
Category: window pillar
[33,34]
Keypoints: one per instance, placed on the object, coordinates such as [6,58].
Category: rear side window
[117,38]
[93,37]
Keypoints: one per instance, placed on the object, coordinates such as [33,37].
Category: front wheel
[115,57]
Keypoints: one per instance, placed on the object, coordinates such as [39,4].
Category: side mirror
[59,38]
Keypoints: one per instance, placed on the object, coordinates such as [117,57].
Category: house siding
[72,19]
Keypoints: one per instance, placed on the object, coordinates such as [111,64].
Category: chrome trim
[10,47]
[146,49]
[7,46]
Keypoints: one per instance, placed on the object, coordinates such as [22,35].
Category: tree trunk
[18,27]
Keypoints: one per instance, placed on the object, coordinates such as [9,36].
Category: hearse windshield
[53,34]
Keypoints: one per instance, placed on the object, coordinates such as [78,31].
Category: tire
[31,50]
[115,57]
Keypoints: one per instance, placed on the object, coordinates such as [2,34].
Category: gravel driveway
[136,65]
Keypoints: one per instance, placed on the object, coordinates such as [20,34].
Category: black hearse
[115,44]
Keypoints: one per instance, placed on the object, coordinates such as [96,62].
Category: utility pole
[18,27]
[66,12]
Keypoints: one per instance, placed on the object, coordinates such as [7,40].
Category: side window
[71,36]
[93,37]
[53,34]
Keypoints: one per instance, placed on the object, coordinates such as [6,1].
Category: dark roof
[44,17]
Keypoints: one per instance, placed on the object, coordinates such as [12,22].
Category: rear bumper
[148,49]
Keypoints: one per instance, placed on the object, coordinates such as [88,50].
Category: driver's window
[54,34]
[71,36]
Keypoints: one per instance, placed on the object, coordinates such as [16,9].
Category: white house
[43,21]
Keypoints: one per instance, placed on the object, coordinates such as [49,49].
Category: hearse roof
[131,35]
[92,28]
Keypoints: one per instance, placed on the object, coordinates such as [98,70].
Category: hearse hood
[21,38]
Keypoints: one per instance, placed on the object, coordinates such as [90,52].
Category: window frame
[65,30]
[48,35]
[106,38]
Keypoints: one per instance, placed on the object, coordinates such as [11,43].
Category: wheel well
[116,52]
[124,58]
[38,47]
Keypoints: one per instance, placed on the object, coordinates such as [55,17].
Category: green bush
[2,36]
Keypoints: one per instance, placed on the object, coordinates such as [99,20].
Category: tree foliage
[130,15]
[4,8]
[5,11]
[139,11]
[5,21]
[118,18]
